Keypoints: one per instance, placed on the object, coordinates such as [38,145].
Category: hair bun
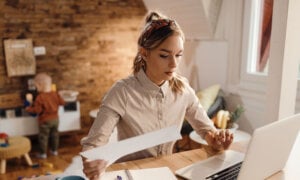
[153,16]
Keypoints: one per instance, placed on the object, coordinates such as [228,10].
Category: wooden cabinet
[69,120]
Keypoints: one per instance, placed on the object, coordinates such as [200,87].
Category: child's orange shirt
[46,106]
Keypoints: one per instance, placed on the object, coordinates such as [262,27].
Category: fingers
[210,137]
[228,139]
[221,139]
[229,136]
[94,169]
[221,136]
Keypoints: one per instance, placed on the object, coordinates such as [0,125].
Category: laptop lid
[269,148]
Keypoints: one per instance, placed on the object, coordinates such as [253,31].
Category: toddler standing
[46,107]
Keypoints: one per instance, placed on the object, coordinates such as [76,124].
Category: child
[46,107]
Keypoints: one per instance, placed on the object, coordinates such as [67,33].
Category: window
[255,58]
[259,43]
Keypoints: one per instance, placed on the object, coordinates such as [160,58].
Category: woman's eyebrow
[165,50]
[168,51]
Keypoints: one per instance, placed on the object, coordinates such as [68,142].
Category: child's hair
[43,82]
[157,28]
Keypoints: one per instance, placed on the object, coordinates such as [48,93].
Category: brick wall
[89,44]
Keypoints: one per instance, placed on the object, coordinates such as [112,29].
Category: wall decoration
[20,59]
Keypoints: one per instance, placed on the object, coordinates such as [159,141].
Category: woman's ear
[143,53]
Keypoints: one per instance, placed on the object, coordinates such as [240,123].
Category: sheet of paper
[141,174]
[113,151]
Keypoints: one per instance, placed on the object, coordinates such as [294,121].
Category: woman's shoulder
[119,90]
[126,82]
[123,85]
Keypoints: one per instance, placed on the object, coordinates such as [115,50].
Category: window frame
[252,20]
[253,81]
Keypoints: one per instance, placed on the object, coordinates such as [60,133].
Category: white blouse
[136,105]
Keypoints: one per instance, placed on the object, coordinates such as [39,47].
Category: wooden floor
[69,148]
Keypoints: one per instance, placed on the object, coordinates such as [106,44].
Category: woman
[152,98]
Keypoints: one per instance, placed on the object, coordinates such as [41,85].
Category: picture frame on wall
[20,59]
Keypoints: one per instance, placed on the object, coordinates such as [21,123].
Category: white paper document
[140,174]
[113,151]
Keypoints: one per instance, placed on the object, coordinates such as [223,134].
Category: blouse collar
[149,85]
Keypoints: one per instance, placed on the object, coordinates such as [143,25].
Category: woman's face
[162,61]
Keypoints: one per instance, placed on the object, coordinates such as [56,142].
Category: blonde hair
[157,29]
[43,82]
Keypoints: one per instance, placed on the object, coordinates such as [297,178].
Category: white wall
[197,18]
[205,63]
[256,94]
[266,98]
[221,59]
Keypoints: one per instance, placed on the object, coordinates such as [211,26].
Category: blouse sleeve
[111,109]
[196,115]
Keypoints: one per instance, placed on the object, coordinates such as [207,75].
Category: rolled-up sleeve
[197,116]
[109,114]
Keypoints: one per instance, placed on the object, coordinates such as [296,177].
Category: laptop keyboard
[229,173]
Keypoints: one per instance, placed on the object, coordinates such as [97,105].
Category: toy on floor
[4,140]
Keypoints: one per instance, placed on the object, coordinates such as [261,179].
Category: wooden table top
[174,161]
[185,158]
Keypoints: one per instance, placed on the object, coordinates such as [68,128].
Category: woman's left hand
[219,140]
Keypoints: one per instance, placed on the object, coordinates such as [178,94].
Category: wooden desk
[182,159]
[174,161]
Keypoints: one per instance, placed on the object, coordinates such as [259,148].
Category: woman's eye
[179,55]
[163,56]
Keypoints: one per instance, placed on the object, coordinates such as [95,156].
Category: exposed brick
[89,44]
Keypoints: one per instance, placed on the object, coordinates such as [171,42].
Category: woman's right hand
[93,169]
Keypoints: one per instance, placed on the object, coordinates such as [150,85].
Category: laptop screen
[270,148]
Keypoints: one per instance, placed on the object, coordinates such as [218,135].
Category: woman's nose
[173,62]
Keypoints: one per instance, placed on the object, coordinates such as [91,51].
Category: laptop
[267,153]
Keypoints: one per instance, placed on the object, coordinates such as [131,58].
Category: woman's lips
[169,73]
